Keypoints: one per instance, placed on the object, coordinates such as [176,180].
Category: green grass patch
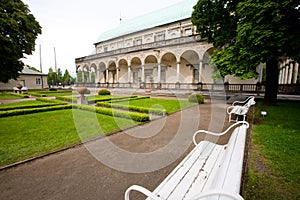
[22,103]
[47,93]
[274,171]
[26,136]
[7,95]
[169,105]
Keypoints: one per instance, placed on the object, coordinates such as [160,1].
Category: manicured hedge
[50,100]
[110,98]
[28,106]
[139,117]
[37,94]
[10,113]
[103,92]
[20,95]
[196,98]
[69,99]
[132,108]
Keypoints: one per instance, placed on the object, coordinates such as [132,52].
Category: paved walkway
[77,173]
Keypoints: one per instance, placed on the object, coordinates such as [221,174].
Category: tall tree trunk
[272,73]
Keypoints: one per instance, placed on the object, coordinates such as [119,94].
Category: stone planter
[81,99]
[19,86]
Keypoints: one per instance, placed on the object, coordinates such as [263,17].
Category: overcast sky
[73,26]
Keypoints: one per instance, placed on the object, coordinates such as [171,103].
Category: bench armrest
[141,190]
[229,109]
[220,192]
[242,102]
[218,134]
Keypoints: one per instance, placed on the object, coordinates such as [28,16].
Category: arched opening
[150,65]
[123,71]
[136,66]
[112,71]
[168,68]
[102,73]
[92,75]
[85,74]
[190,66]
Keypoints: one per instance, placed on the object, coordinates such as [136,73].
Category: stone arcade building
[159,49]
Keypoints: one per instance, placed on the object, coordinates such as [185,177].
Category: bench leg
[141,190]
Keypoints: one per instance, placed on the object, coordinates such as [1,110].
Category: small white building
[28,78]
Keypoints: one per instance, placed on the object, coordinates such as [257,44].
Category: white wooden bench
[240,108]
[209,170]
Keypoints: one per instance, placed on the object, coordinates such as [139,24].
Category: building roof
[180,11]
[28,71]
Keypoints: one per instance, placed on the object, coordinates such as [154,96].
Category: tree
[52,77]
[66,77]
[59,76]
[19,30]
[246,33]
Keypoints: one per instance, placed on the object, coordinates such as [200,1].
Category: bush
[52,89]
[196,98]
[139,117]
[16,112]
[104,92]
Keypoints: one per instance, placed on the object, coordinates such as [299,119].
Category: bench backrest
[248,102]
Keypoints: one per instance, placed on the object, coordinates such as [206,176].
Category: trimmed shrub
[50,101]
[63,98]
[16,112]
[196,98]
[28,106]
[139,117]
[132,108]
[52,89]
[20,95]
[103,92]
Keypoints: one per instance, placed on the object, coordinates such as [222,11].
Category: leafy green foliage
[111,112]
[132,108]
[103,92]
[196,98]
[25,111]
[19,30]
[246,33]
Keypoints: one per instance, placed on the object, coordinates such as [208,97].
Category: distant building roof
[28,71]
[180,11]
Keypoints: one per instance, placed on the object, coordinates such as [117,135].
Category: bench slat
[200,152]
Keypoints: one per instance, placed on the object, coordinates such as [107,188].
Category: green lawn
[274,171]
[26,136]
[169,105]
[23,103]
[7,95]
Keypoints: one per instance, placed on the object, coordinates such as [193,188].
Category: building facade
[28,78]
[157,48]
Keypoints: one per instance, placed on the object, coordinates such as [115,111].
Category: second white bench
[209,170]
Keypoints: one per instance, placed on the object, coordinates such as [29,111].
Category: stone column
[280,76]
[159,72]
[291,70]
[107,74]
[295,73]
[200,71]
[143,73]
[178,72]
[97,79]
[90,76]
[129,74]
[287,69]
